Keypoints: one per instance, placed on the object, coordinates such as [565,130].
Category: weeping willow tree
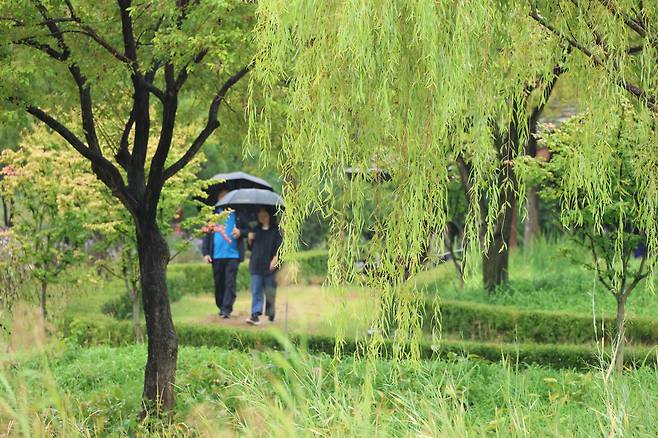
[411,86]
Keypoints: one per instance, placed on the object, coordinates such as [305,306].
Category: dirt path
[310,309]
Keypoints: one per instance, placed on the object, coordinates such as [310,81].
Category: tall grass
[69,391]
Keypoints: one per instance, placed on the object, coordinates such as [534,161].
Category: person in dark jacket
[223,247]
[264,243]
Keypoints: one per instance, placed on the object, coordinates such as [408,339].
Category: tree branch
[45,48]
[211,124]
[130,48]
[183,74]
[169,109]
[630,22]
[639,276]
[86,105]
[647,99]
[122,155]
[103,168]
[596,263]
[91,33]
[52,27]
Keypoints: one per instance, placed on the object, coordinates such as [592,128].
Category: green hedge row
[94,332]
[312,263]
[196,279]
[488,322]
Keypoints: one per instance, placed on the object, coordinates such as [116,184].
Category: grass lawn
[541,279]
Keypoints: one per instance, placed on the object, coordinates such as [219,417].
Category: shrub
[502,323]
[196,278]
[94,332]
[119,307]
[312,263]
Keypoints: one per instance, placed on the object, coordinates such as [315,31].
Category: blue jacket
[208,247]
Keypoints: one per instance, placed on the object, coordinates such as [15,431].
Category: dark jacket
[208,247]
[263,249]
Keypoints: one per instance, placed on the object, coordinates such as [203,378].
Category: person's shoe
[270,318]
[225,316]
[253,320]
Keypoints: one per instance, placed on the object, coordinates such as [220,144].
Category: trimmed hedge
[312,263]
[93,332]
[196,278]
[500,323]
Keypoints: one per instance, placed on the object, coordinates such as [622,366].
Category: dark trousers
[225,274]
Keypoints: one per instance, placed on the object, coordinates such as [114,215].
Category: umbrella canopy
[251,199]
[234,181]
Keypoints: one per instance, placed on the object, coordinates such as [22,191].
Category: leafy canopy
[408,85]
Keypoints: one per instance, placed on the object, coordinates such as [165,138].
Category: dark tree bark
[514,237]
[160,373]
[620,340]
[6,211]
[495,261]
[507,141]
[532,224]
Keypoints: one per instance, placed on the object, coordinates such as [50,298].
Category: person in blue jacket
[223,247]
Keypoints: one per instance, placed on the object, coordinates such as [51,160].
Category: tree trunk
[513,241]
[160,373]
[43,294]
[495,264]
[6,213]
[495,260]
[619,337]
[531,225]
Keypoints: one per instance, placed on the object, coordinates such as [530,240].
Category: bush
[502,323]
[196,279]
[119,307]
[312,263]
[94,332]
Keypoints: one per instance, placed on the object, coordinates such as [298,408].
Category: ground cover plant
[88,392]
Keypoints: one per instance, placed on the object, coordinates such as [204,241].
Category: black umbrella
[251,199]
[234,181]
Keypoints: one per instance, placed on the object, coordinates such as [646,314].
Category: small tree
[116,67]
[606,226]
[48,186]
[13,273]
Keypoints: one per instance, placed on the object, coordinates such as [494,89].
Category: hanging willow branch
[412,85]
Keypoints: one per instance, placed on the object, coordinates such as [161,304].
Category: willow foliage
[408,85]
